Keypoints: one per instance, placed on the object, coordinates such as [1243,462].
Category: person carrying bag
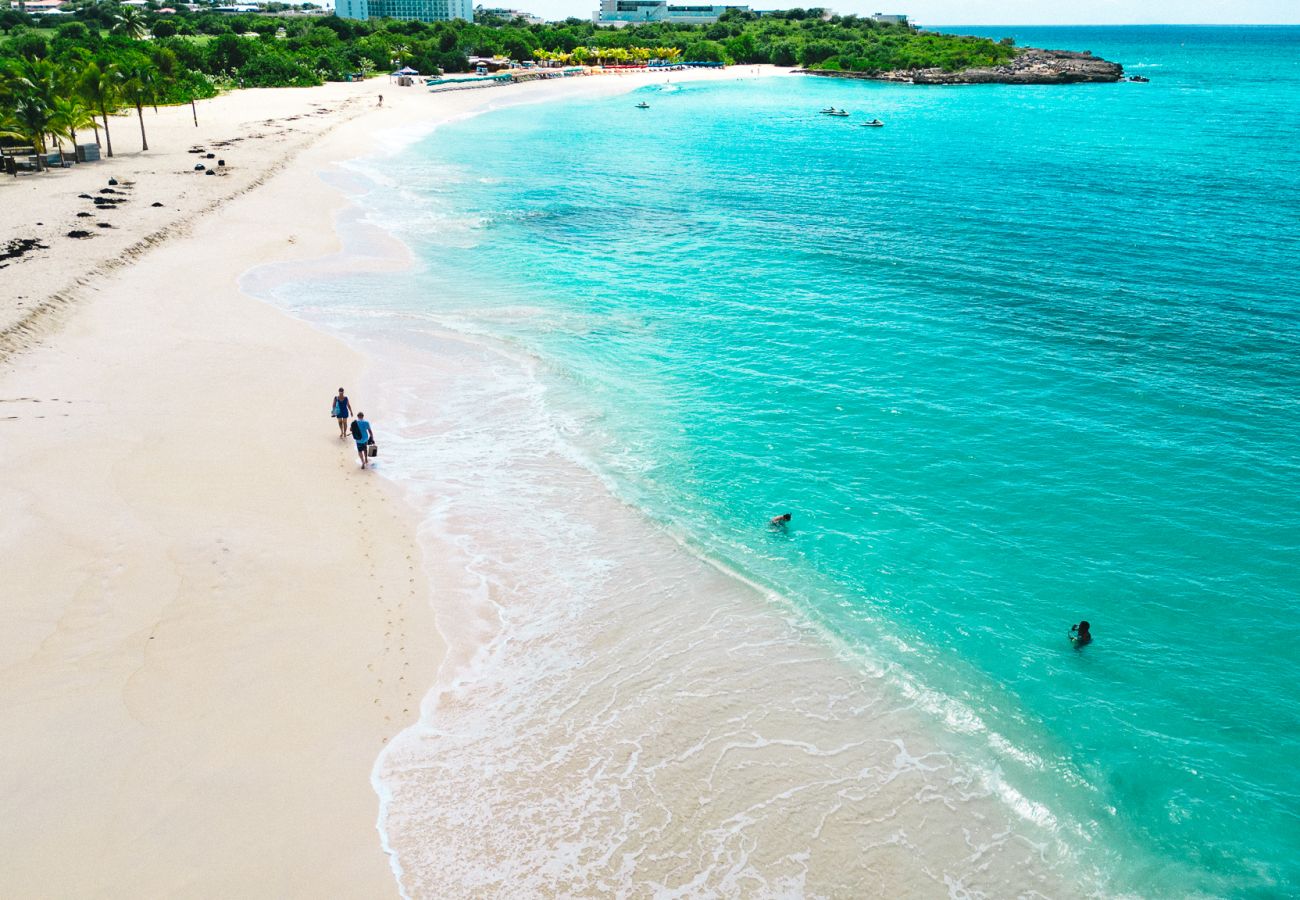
[365,439]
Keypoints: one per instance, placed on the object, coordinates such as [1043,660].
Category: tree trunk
[95,125]
[144,141]
[108,137]
[195,110]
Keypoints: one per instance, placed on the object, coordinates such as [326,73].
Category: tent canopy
[406,70]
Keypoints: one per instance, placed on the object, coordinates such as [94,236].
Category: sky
[1002,12]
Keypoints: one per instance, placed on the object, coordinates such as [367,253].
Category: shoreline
[429,763]
[215,634]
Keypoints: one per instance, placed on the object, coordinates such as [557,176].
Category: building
[42,8]
[413,10]
[627,12]
[509,15]
[889,20]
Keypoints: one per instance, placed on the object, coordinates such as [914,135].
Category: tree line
[56,90]
[105,57]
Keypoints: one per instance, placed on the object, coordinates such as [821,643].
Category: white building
[415,10]
[508,14]
[626,12]
[889,20]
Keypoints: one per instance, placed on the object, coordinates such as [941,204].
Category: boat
[1139,79]
[874,123]
[827,112]
[839,113]
[643,105]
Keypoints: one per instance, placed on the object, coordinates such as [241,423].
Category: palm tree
[101,89]
[140,87]
[70,114]
[130,21]
[33,90]
[32,121]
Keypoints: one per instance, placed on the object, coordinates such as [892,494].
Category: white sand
[214,619]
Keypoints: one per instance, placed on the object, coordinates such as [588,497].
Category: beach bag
[372,449]
[356,430]
[335,412]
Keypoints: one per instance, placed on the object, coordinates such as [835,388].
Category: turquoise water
[1025,355]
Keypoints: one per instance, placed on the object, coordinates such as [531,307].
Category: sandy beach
[216,620]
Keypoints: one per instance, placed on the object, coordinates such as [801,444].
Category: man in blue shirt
[361,434]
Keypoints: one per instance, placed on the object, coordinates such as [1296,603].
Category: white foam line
[957,716]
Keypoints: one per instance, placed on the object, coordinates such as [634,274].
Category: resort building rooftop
[618,13]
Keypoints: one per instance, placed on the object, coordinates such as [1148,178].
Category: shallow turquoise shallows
[1023,356]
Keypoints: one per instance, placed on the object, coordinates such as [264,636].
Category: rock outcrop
[1030,66]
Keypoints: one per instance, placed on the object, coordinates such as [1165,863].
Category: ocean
[1024,356]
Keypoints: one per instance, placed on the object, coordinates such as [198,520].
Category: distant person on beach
[381,99]
[779,523]
[342,411]
[361,434]
[1081,634]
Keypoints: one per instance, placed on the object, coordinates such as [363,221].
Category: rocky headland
[1029,66]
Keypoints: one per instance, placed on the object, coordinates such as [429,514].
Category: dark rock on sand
[19,247]
[78,234]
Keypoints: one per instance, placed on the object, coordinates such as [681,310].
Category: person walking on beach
[381,99]
[342,411]
[362,435]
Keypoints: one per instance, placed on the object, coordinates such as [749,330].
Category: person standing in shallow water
[342,412]
[361,434]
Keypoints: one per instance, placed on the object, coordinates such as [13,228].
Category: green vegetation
[107,57]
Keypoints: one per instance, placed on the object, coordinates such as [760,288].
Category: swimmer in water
[1080,634]
[779,522]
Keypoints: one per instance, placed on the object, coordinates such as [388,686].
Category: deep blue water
[1025,355]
